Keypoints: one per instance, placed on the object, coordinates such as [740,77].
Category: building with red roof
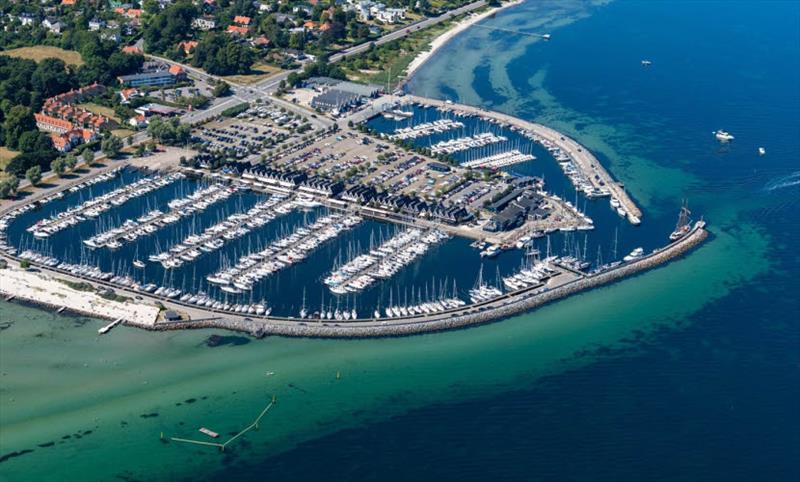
[235,29]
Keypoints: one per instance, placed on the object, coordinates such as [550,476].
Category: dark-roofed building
[359,194]
[268,175]
[516,208]
[335,100]
[321,186]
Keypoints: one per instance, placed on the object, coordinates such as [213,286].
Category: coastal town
[159,183]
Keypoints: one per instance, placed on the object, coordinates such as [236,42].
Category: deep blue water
[713,397]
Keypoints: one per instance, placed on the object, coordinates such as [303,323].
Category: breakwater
[493,310]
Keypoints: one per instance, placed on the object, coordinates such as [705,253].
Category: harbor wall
[506,306]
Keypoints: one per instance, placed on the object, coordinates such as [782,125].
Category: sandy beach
[46,289]
[442,39]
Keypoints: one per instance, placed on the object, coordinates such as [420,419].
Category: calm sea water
[689,372]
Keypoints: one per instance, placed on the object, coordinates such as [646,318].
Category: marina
[100,204]
[154,220]
[382,262]
[224,247]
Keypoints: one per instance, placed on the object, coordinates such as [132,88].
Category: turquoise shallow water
[689,372]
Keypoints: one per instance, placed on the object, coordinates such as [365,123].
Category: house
[126,95]
[68,3]
[52,124]
[53,25]
[138,121]
[111,35]
[133,13]
[310,25]
[96,24]
[187,46]
[178,72]
[26,19]
[132,50]
[302,8]
[264,7]
[260,41]
[241,20]
[284,18]
[390,15]
[204,23]
[237,30]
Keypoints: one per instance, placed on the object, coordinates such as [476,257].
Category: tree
[111,146]
[139,150]
[58,165]
[87,156]
[70,161]
[19,119]
[221,55]
[222,89]
[169,26]
[52,77]
[24,264]
[8,186]
[34,175]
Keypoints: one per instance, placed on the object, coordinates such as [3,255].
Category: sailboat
[303,311]
[683,225]
[136,261]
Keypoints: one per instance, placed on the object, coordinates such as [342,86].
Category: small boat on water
[646,63]
[634,255]
[491,251]
[761,151]
[138,264]
[723,136]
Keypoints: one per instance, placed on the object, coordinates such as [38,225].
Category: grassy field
[100,109]
[5,156]
[394,57]
[259,72]
[122,133]
[41,52]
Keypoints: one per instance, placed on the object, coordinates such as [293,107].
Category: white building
[52,24]
[96,24]
[26,19]
[391,15]
[204,23]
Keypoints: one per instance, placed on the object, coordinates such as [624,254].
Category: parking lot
[257,131]
[358,160]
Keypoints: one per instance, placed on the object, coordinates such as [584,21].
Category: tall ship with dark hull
[683,226]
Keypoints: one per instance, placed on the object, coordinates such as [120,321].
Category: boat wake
[782,182]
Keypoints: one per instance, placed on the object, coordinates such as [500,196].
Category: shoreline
[445,37]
